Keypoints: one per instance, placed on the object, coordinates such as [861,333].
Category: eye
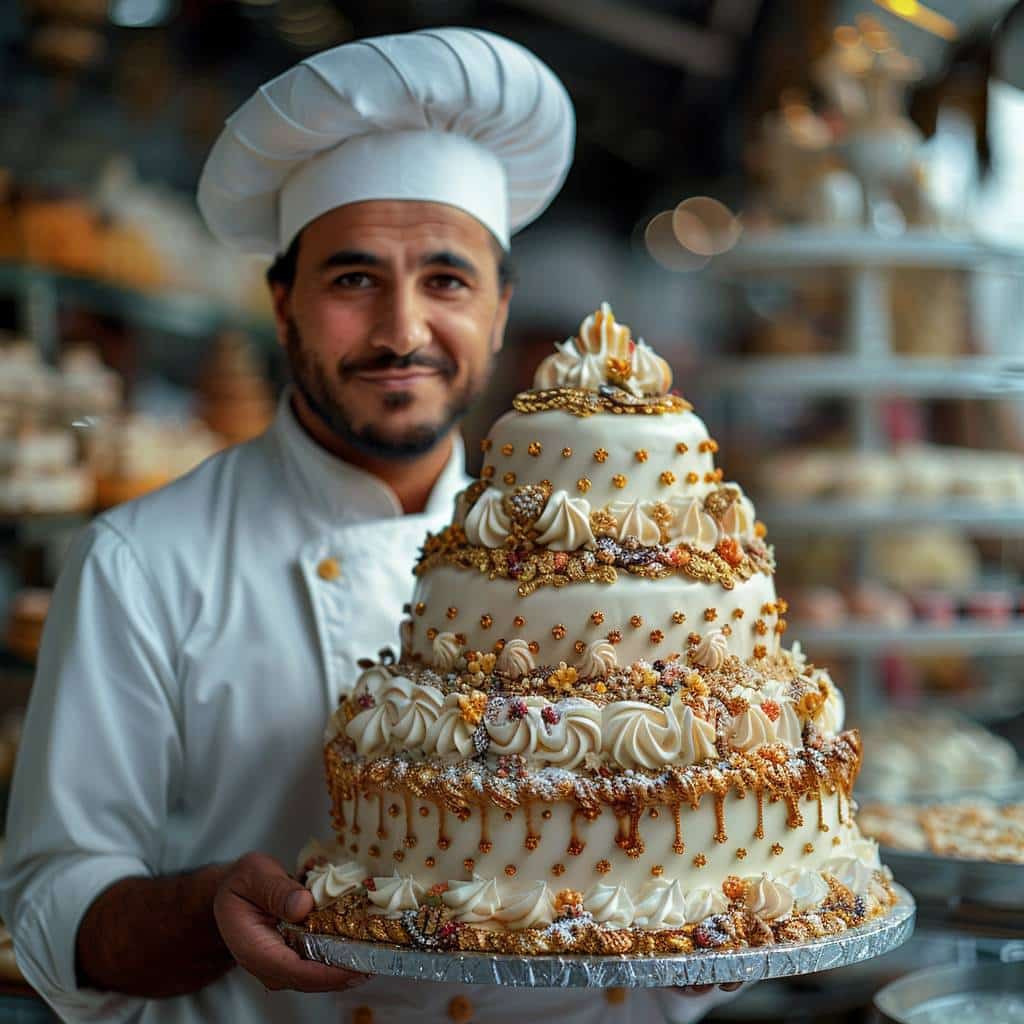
[353,279]
[446,282]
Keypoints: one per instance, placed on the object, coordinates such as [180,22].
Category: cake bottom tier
[431,856]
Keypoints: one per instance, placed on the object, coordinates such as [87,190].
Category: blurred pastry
[25,620]
[235,400]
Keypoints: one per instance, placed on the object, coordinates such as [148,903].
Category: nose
[404,326]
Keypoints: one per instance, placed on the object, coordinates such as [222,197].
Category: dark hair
[282,270]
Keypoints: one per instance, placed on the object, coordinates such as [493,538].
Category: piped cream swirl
[473,902]
[564,524]
[395,894]
[530,908]
[487,522]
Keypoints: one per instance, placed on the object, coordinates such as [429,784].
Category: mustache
[442,363]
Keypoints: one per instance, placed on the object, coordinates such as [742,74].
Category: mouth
[395,380]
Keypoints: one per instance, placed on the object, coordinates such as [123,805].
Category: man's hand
[255,894]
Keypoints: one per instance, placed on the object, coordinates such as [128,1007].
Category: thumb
[276,891]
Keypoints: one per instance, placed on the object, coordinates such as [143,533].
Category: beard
[312,380]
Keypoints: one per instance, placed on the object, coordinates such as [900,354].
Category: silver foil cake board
[568,971]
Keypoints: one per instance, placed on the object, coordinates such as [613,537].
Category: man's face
[392,322]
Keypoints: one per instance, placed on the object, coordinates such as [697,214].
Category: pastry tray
[566,970]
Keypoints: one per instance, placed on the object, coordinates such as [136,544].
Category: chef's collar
[343,493]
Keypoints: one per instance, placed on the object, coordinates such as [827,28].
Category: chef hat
[448,115]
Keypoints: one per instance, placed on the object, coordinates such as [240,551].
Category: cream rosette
[739,519]
[564,525]
[756,728]
[416,716]
[663,905]
[703,902]
[639,735]
[692,525]
[530,908]
[450,734]
[712,650]
[566,743]
[856,868]
[447,651]
[330,882]
[395,894]
[598,659]
[516,659]
[473,902]
[511,733]
[569,367]
[610,905]
[832,713]
[651,374]
[487,523]
[401,716]
[809,889]
[768,898]
[634,521]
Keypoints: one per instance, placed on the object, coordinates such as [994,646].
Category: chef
[199,637]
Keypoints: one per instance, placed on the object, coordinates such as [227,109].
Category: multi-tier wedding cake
[592,739]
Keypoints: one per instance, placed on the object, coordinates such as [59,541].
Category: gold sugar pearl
[654,813]
[682,447]
[678,618]
[579,647]
[556,869]
[566,453]
[777,849]
[760,627]
[487,472]
[709,478]
[741,853]
[510,870]
[808,847]
[486,444]
[558,632]
[499,646]
[534,448]
[460,639]
[600,455]
[635,621]
[619,481]
[668,478]
[597,618]
[507,449]
[399,855]
[468,864]
[546,814]
[782,605]
[693,639]
[710,614]
[602,867]
[738,613]
[431,633]
[508,815]
[393,811]
[640,455]
[760,651]
[452,612]
[704,446]
[727,629]
[373,851]
[486,621]
[534,647]
[692,478]
[615,636]
[657,870]
[354,847]
[420,607]
[700,860]
[509,478]
[836,840]
[781,626]
[583,485]
[519,621]
[657,636]
[430,862]
[424,812]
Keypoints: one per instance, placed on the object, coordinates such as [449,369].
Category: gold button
[329,569]
[362,1015]
[615,996]
[460,1010]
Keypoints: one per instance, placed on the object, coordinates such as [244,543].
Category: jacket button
[329,569]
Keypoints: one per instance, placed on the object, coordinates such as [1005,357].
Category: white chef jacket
[190,659]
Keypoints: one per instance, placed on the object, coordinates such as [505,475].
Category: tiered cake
[592,739]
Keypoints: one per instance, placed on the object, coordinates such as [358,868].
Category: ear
[281,298]
[501,319]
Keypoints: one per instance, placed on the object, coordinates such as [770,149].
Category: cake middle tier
[642,618]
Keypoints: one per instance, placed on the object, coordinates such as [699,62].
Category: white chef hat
[448,115]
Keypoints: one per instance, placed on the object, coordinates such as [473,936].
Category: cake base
[703,967]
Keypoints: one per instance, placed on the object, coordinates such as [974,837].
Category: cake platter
[567,971]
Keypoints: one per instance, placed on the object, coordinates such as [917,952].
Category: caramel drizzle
[532,840]
[842,813]
[382,832]
[822,827]
[678,846]
[794,819]
[410,840]
[759,831]
[627,837]
[443,842]
[485,845]
[721,836]
[576,845]
[355,830]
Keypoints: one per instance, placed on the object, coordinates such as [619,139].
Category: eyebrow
[358,258]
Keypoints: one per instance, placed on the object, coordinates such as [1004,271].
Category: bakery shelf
[175,312]
[813,248]
[919,638]
[868,377]
[844,515]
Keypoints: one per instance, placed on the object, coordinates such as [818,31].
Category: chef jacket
[197,641]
